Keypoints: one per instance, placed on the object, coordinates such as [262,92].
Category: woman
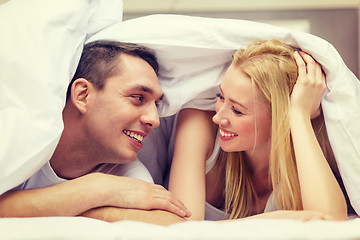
[274,147]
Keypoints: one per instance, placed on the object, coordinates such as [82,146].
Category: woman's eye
[219,96]
[236,111]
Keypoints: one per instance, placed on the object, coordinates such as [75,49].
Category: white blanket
[41,43]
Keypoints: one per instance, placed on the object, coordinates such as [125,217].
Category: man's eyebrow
[143,88]
[234,101]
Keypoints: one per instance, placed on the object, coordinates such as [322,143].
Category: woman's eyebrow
[237,103]
[234,101]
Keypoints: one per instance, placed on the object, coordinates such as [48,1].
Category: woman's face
[244,121]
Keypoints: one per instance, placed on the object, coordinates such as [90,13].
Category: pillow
[194,52]
[41,45]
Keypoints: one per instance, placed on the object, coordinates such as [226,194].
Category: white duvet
[41,43]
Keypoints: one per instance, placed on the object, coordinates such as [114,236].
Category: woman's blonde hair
[272,67]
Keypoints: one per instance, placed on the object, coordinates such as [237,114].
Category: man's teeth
[135,136]
[222,133]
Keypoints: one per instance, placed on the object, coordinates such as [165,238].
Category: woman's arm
[303,215]
[194,143]
[319,188]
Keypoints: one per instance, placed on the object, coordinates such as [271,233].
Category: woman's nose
[220,118]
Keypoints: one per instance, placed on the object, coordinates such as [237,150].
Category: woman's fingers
[314,73]
[301,65]
[310,85]
[311,66]
[302,215]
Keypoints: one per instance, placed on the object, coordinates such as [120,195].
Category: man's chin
[123,159]
[129,159]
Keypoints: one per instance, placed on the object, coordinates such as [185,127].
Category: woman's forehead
[237,83]
[239,87]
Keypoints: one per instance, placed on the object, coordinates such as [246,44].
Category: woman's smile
[226,135]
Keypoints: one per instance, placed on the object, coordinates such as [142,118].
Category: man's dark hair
[100,60]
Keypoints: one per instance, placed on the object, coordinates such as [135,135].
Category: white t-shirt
[47,177]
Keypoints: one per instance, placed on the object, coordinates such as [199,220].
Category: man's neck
[68,161]
[71,158]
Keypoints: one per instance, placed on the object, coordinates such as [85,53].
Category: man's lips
[137,136]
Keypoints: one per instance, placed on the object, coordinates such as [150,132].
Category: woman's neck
[258,162]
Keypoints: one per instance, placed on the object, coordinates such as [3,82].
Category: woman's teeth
[222,133]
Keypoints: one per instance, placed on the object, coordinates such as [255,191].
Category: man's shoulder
[44,177]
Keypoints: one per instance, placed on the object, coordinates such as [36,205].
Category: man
[110,108]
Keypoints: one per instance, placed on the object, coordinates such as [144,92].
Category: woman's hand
[296,215]
[309,88]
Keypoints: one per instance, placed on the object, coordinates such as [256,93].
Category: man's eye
[219,96]
[139,98]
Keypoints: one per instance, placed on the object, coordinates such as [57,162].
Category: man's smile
[139,137]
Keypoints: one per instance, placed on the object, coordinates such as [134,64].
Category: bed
[85,228]
[42,49]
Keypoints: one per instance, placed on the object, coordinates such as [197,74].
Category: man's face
[123,112]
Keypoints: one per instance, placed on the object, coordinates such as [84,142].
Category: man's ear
[80,92]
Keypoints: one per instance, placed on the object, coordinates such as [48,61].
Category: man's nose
[151,117]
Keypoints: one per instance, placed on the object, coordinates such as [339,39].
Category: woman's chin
[227,148]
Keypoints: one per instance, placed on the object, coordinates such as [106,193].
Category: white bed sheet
[66,228]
